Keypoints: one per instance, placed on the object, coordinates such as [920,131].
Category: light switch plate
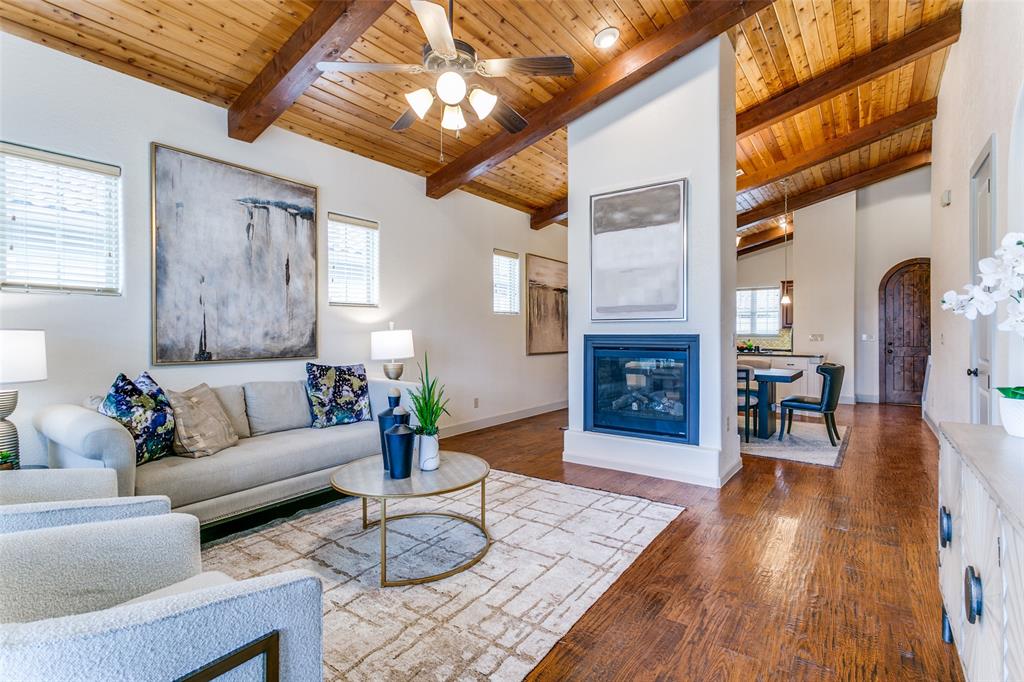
[946,198]
[816,337]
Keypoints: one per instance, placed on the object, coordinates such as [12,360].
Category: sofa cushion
[337,394]
[196,582]
[232,399]
[274,406]
[256,461]
[142,407]
[201,426]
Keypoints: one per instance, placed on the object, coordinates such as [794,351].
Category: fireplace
[645,386]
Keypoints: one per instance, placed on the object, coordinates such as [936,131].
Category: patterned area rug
[807,443]
[556,548]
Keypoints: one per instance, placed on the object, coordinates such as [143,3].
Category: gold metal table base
[480,525]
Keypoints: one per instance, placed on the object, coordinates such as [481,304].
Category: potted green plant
[428,404]
[8,459]
[1001,278]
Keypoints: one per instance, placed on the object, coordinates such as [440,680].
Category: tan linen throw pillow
[201,426]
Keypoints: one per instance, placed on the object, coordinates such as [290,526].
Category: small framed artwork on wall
[638,253]
[234,262]
[547,305]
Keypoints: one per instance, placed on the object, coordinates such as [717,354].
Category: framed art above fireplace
[643,386]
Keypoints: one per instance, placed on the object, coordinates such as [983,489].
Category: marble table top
[366,477]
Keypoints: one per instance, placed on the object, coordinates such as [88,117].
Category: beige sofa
[279,457]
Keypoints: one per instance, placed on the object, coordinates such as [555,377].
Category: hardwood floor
[789,572]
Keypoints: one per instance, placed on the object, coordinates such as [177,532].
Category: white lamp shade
[452,119]
[22,355]
[482,102]
[451,87]
[393,344]
[420,101]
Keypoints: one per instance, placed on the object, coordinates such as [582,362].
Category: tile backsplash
[782,341]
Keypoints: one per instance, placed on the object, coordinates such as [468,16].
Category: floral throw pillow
[337,395]
[142,407]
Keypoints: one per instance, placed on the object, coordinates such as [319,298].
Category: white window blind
[757,311]
[60,222]
[353,260]
[506,282]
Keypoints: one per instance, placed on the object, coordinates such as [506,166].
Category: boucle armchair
[126,600]
[31,499]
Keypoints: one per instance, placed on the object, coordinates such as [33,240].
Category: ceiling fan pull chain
[441,159]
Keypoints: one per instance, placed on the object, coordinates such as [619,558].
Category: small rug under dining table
[556,548]
[808,443]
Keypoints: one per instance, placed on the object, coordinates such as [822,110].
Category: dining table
[766,382]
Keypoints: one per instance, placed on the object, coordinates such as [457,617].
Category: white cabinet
[981,548]
[798,387]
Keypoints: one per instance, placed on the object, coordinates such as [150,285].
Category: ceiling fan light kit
[454,61]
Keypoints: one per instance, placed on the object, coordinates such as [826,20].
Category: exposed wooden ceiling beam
[860,70]
[833,189]
[861,137]
[704,22]
[762,240]
[554,213]
[325,35]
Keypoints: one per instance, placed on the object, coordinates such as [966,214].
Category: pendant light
[785,300]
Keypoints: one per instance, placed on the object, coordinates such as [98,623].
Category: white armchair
[127,600]
[31,499]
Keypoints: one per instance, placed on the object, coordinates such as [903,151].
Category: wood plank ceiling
[212,49]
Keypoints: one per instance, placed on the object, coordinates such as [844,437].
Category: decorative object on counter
[428,404]
[1001,278]
[234,262]
[639,230]
[392,416]
[1011,410]
[22,360]
[337,394]
[8,460]
[142,407]
[392,344]
[400,441]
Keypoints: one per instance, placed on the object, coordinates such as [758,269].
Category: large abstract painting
[547,305]
[638,253]
[234,262]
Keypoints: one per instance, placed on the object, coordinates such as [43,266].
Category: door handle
[972,594]
[889,350]
[972,372]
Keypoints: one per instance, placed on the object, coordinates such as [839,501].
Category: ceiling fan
[453,60]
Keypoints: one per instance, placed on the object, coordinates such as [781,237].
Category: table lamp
[22,359]
[392,344]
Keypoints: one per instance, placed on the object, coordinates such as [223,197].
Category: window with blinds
[60,222]
[757,311]
[506,282]
[353,260]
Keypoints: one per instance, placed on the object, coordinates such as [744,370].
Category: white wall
[764,268]
[435,255]
[893,225]
[678,123]
[978,97]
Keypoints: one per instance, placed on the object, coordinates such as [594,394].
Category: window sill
[354,305]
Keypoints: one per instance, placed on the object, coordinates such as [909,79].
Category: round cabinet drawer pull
[972,594]
[945,527]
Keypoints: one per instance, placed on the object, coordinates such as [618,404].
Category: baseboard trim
[867,398]
[930,422]
[496,420]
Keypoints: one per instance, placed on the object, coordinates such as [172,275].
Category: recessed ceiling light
[739,172]
[605,38]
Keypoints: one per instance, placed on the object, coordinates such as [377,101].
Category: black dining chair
[747,402]
[824,405]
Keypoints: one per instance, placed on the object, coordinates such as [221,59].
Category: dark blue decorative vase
[400,439]
[385,420]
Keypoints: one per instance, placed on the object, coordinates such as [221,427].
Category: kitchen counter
[780,354]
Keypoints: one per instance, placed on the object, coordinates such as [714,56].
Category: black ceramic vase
[385,420]
[400,439]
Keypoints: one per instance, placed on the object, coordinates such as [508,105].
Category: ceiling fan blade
[368,67]
[404,121]
[555,65]
[435,26]
[507,117]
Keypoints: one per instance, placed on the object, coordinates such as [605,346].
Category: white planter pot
[430,457]
[1011,412]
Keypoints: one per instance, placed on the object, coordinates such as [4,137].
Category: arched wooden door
[904,331]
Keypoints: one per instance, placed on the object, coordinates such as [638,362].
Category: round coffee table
[365,478]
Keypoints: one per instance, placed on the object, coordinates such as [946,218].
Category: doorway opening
[904,327]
